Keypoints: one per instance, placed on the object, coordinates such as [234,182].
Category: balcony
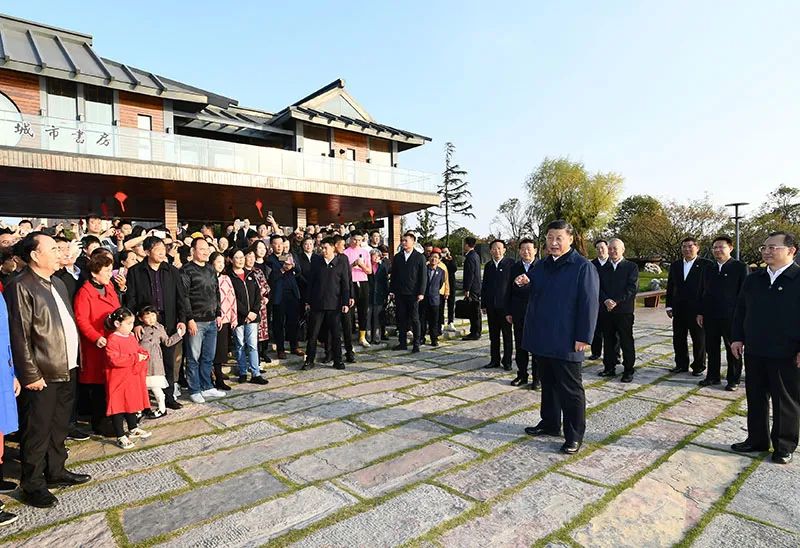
[99,140]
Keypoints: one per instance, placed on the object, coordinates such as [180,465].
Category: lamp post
[736,217]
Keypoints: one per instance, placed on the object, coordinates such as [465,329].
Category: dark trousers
[562,393]
[407,313]
[376,322]
[44,422]
[361,296]
[475,318]
[428,320]
[451,302]
[618,328]
[597,340]
[522,356]
[716,329]
[118,421]
[284,317]
[325,321]
[683,324]
[96,394]
[168,353]
[497,326]
[779,379]
[346,332]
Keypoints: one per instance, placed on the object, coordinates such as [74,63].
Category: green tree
[562,189]
[511,222]
[426,225]
[455,196]
[636,220]
[780,211]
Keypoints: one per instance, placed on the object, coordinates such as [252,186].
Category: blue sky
[681,98]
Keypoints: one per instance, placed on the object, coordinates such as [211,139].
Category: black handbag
[464,309]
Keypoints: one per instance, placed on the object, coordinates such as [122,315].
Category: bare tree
[512,221]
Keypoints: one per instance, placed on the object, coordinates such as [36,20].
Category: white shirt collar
[407,254]
[774,275]
[614,264]
[602,261]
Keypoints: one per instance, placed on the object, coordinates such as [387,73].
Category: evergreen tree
[453,191]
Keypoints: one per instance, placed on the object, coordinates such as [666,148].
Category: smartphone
[160,234]
[269,213]
[122,271]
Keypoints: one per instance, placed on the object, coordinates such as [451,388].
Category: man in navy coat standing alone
[559,326]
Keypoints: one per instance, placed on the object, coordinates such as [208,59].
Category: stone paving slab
[251,399]
[332,462]
[419,464]
[731,430]
[432,373]
[596,396]
[770,494]
[536,511]
[475,414]
[408,411]
[270,410]
[666,503]
[90,531]
[483,390]
[494,435]
[383,385]
[488,478]
[664,392]
[157,518]
[719,391]
[94,497]
[440,385]
[260,524]
[147,458]
[642,376]
[696,410]
[342,408]
[615,417]
[727,531]
[230,460]
[614,463]
[394,522]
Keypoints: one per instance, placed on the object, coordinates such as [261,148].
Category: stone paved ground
[429,450]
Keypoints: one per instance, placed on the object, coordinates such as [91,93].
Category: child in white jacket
[153,336]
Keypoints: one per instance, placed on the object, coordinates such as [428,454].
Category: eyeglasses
[771,248]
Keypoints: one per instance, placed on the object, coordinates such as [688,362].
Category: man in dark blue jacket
[619,282]
[472,288]
[721,286]
[766,327]
[517,296]
[429,306]
[494,289]
[407,286]
[559,326]
[285,297]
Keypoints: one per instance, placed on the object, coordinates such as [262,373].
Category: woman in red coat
[126,386]
[95,300]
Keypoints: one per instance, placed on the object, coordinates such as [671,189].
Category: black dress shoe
[781,458]
[708,382]
[605,373]
[7,518]
[308,364]
[593,357]
[571,447]
[534,385]
[627,377]
[519,381]
[174,405]
[507,367]
[491,365]
[326,359]
[471,338]
[338,366]
[747,447]
[68,479]
[679,370]
[349,357]
[697,372]
[540,430]
[732,387]
[7,486]
[41,498]
[400,347]
[258,379]
[221,385]
[415,349]
[76,433]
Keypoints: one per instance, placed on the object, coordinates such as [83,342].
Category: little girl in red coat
[126,368]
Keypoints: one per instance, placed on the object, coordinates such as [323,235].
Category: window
[99,104]
[144,122]
[62,99]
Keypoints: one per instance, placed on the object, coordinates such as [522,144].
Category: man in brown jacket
[44,344]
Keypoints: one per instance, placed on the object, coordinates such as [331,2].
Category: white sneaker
[197,398]
[176,391]
[139,433]
[213,393]
[451,327]
[364,343]
[125,443]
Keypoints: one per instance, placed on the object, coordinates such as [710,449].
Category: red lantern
[372,215]
[121,197]
[259,205]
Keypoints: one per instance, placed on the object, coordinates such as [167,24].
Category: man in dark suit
[517,296]
[559,324]
[619,282]
[601,246]
[494,289]
[472,288]
[346,318]
[407,287]
[304,268]
[721,286]
[328,297]
[429,306]
[684,291]
[766,328]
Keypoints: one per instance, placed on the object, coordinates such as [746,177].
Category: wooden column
[395,233]
[171,216]
[299,217]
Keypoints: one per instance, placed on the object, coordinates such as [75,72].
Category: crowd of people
[112,321]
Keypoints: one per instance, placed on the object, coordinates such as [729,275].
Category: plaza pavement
[429,450]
